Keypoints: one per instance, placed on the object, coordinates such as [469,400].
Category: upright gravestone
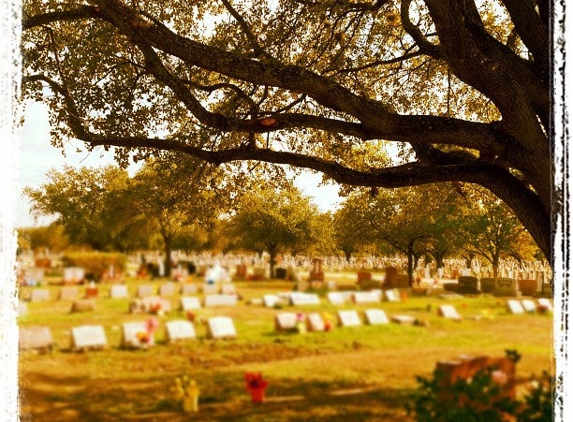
[228,289]
[69,293]
[189,303]
[73,275]
[505,286]
[487,284]
[35,338]
[375,316]
[220,300]
[349,318]
[83,305]
[315,322]
[392,295]
[449,312]
[468,285]
[136,335]
[189,289]
[316,274]
[221,327]
[336,298]
[86,337]
[527,287]
[271,301]
[179,330]
[210,289]
[286,321]
[167,289]
[144,290]
[118,291]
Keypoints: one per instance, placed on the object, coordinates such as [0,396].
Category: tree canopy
[462,87]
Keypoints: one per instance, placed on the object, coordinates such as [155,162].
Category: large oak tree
[461,86]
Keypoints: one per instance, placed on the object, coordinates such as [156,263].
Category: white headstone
[392,295]
[133,334]
[69,293]
[448,311]
[221,327]
[297,298]
[543,301]
[144,290]
[73,274]
[528,305]
[271,300]
[118,291]
[228,289]
[88,337]
[285,321]
[209,289]
[179,330]
[515,306]
[366,297]
[35,338]
[220,300]
[349,318]
[167,289]
[39,295]
[189,289]
[315,322]
[336,298]
[375,316]
[403,319]
[190,302]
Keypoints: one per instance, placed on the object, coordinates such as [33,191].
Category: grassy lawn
[360,373]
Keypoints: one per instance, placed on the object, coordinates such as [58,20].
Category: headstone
[487,284]
[88,337]
[259,273]
[403,319]
[150,304]
[73,275]
[375,316]
[221,327]
[167,289]
[468,285]
[316,273]
[348,318]
[210,289]
[505,286]
[514,306]
[220,300]
[546,303]
[228,289]
[91,291]
[336,298]
[37,338]
[34,275]
[144,290]
[136,335]
[527,287]
[83,305]
[449,312]
[241,272]
[297,298]
[280,273]
[179,330]
[528,305]
[118,291]
[39,295]
[69,293]
[392,295]
[362,276]
[189,289]
[271,300]
[314,322]
[366,297]
[189,303]
[285,321]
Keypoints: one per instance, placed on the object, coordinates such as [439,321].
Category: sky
[37,156]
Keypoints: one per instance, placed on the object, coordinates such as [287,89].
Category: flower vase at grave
[191,403]
[257,395]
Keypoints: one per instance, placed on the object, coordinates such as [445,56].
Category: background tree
[462,87]
[274,221]
[47,238]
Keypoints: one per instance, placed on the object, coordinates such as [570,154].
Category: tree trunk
[410,263]
[167,249]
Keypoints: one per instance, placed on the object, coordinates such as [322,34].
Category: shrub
[96,264]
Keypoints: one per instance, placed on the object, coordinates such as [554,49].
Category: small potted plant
[256,385]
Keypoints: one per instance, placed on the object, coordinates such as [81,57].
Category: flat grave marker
[375,316]
[449,312]
[349,318]
[336,298]
[543,301]
[366,297]
[189,303]
[228,289]
[528,305]
[39,295]
[36,338]
[83,305]
[271,300]
[179,330]
[220,300]
[403,319]
[392,295]
[297,299]
[210,289]
[285,321]
[69,293]
[167,289]
[189,289]
[144,290]
[118,291]
[73,274]
[88,337]
[515,307]
[221,327]
[315,322]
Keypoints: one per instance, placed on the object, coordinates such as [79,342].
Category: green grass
[360,373]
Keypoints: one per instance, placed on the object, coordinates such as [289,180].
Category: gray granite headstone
[37,338]
[88,337]
[221,327]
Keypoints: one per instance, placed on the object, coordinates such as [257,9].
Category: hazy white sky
[38,156]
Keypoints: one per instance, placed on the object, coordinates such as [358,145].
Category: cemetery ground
[359,373]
